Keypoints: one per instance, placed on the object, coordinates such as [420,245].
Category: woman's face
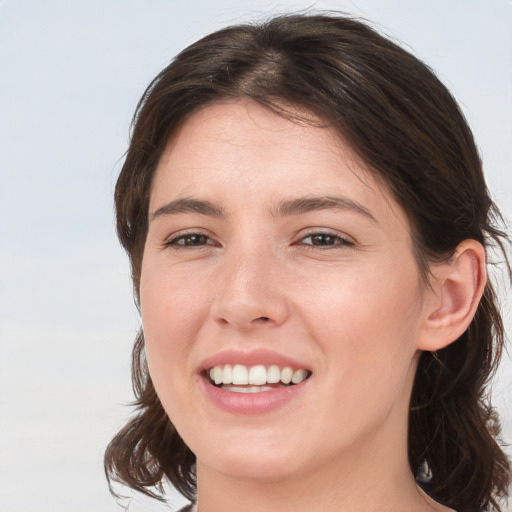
[272,253]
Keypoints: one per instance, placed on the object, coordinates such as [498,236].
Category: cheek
[367,322]
[172,314]
[171,303]
[370,351]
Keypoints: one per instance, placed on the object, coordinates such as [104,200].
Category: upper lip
[251,358]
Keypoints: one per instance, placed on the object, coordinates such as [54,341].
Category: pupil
[323,240]
[196,240]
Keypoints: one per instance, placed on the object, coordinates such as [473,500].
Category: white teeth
[252,389]
[217,374]
[298,376]
[286,375]
[256,376]
[273,374]
[227,374]
[240,375]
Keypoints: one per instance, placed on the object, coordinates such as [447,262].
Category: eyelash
[179,242]
[174,243]
[338,241]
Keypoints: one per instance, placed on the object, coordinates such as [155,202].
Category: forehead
[258,131]
[243,146]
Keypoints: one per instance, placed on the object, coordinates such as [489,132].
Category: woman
[307,221]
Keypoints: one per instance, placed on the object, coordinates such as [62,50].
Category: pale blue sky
[71,73]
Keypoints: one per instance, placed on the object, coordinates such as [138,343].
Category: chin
[257,470]
[252,461]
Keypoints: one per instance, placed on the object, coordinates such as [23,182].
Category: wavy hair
[407,128]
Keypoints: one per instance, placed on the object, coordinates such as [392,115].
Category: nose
[249,294]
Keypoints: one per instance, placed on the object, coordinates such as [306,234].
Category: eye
[189,240]
[325,240]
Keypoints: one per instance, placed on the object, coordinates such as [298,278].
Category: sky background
[71,72]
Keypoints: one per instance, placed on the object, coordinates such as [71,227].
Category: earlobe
[457,287]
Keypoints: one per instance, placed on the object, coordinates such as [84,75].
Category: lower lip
[252,403]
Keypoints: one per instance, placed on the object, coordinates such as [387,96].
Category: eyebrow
[284,208]
[314,203]
[188,205]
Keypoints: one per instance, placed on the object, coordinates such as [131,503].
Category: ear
[456,289]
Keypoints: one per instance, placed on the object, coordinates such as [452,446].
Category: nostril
[263,318]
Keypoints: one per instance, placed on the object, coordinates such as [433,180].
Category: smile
[239,378]
[258,381]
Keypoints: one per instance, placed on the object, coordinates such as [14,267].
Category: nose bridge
[248,291]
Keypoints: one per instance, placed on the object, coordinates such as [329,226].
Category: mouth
[259,378]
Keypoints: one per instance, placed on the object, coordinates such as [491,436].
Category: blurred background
[71,73]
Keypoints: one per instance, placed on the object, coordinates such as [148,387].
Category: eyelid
[346,240]
[171,240]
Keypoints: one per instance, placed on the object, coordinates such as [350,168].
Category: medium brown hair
[409,131]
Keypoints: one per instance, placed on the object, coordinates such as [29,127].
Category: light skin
[265,234]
